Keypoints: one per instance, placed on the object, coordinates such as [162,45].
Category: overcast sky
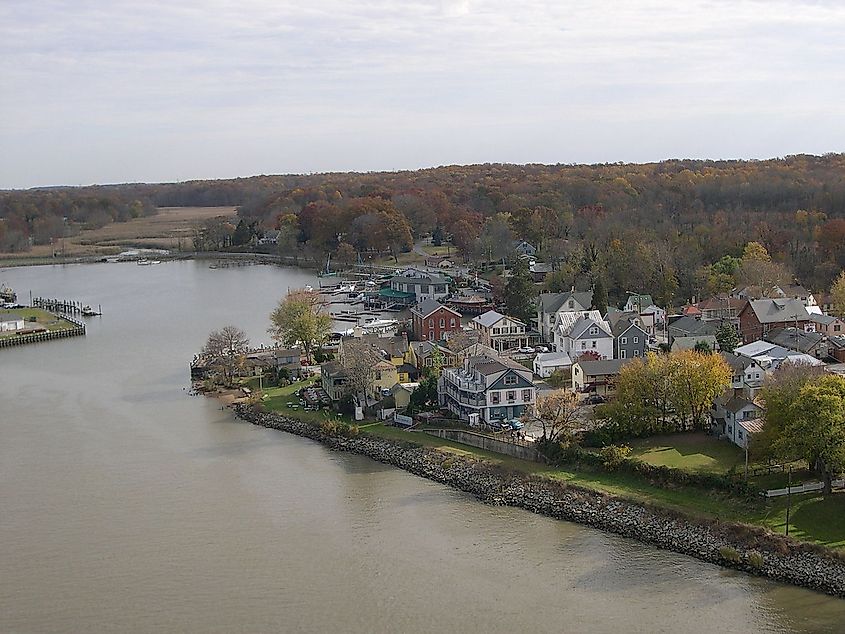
[108,91]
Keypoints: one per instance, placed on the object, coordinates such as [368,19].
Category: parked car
[595,399]
[541,349]
[525,350]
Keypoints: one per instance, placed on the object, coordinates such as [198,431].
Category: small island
[30,325]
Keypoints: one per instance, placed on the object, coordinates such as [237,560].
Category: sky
[109,91]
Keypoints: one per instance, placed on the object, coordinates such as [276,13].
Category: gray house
[689,326]
[630,340]
[550,304]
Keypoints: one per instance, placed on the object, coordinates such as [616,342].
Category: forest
[674,228]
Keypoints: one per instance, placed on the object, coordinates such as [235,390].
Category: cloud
[266,86]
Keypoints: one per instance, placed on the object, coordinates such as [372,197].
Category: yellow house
[386,377]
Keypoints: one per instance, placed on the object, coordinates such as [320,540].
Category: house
[429,352]
[547,363]
[269,237]
[539,271]
[11,322]
[550,304]
[584,334]
[657,315]
[690,343]
[837,347]
[470,304]
[825,303]
[598,377]
[811,343]
[500,332]
[401,393]
[721,308]
[746,375]
[731,416]
[828,325]
[760,316]
[432,320]
[785,291]
[630,339]
[274,359]
[770,356]
[524,248]
[637,301]
[689,326]
[487,388]
[413,287]
[333,379]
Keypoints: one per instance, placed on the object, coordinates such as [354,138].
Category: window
[431,335]
[510,379]
[431,323]
[452,323]
[636,339]
[636,353]
[730,429]
[623,340]
[622,354]
[594,343]
[594,331]
[526,395]
[739,433]
[836,327]
[442,322]
[572,303]
[583,345]
[511,395]
[495,398]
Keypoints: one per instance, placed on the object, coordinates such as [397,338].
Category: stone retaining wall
[783,560]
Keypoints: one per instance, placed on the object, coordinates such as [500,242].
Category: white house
[11,322]
[545,364]
[746,374]
[586,335]
[500,332]
[734,417]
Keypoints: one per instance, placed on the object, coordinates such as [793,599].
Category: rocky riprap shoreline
[756,551]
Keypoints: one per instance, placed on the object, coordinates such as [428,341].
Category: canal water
[127,505]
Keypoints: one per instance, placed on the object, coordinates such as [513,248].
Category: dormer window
[571,303]
[594,331]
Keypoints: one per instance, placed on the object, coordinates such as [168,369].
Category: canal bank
[752,550]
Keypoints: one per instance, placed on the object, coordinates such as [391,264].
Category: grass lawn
[42,318]
[278,398]
[698,452]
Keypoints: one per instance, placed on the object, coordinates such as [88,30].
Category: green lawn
[277,399]
[42,318]
[698,453]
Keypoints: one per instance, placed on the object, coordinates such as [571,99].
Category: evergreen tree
[519,292]
[727,337]
[600,296]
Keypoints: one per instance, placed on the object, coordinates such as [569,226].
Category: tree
[727,337]
[425,396]
[837,295]
[703,347]
[600,296]
[519,292]
[226,348]
[300,319]
[697,379]
[556,412]
[758,269]
[359,359]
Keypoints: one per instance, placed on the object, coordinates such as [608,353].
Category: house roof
[690,342]
[795,339]
[769,311]
[428,306]
[736,362]
[553,302]
[417,278]
[491,318]
[721,303]
[642,299]
[553,358]
[541,267]
[332,368]
[738,403]
[753,426]
[620,321]
[602,367]
[491,364]
[689,325]
[825,320]
[838,341]
[583,324]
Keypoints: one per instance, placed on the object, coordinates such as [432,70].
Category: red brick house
[432,320]
[761,316]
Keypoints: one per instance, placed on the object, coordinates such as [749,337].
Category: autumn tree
[226,348]
[556,412]
[696,381]
[758,269]
[300,319]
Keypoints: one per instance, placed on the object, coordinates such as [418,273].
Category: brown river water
[127,505]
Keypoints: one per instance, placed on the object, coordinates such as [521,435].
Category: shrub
[730,554]
[613,456]
[755,560]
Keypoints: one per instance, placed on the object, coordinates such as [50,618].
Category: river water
[127,505]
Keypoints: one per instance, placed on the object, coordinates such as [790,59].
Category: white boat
[155,261]
[143,262]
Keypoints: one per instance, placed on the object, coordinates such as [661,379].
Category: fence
[802,488]
[518,449]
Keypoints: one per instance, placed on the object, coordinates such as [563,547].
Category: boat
[7,295]
[143,262]
[155,261]
[87,311]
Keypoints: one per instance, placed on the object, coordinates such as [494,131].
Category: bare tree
[359,359]
[226,348]
[557,415]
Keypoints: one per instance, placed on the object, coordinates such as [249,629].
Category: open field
[168,229]
[698,453]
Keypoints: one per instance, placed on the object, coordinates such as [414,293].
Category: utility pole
[788,498]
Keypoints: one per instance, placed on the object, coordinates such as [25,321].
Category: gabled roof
[825,320]
[689,326]
[795,339]
[736,362]
[603,367]
[553,358]
[491,318]
[721,303]
[565,321]
[487,364]
[417,278]
[428,306]
[737,404]
[689,343]
[769,311]
[583,324]
[554,302]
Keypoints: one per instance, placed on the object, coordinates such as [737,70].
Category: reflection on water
[128,505]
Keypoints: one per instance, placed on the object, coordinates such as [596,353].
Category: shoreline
[772,556]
